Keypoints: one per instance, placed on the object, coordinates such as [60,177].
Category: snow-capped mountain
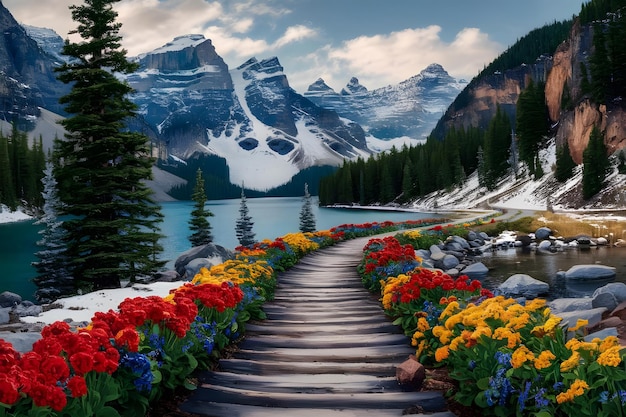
[27,78]
[48,40]
[250,116]
[408,109]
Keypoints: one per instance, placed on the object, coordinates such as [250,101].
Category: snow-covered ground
[81,308]
[8,216]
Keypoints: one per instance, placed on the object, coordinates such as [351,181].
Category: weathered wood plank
[429,401]
[236,410]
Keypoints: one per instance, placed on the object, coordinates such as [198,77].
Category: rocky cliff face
[575,125]
[27,79]
[477,105]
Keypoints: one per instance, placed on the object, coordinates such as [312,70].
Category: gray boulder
[216,253]
[474,270]
[544,245]
[542,233]
[459,240]
[594,316]
[194,266]
[472,235]
[9,299]
[590,272]
[167,276]
[523,285]
[5,316]
[436,254]
[562,305]
[449,262]
[609,296]
[21,341]
[423,253]
[26,310]
[484,236]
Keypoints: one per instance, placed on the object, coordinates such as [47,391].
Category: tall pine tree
[595,164]
[243,225]
[53,279]
[307,218]
[113,225]
[198,223]
[7,190]
[564,163]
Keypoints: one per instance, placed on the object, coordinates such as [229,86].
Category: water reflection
[545,267]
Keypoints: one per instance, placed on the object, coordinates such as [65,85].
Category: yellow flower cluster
[610,357]
[413,234]
[389,286]
[577,389]
[544,359]
[300,243]
[520,356]
[235,271]
[442,353]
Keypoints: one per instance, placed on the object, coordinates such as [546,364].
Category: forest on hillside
[446,159]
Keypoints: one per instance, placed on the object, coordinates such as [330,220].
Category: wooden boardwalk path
[325,350]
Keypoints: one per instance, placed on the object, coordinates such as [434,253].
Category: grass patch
[568,226]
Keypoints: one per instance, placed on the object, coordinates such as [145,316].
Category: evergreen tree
[564,163]
[243,226]
[7,190]
[199,225]
[531,123]
[496,149]
[307,218]
[621,167]
[113,226]
[53,278]
[595,164]
[599,65]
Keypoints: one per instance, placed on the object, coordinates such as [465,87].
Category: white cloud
[385,59]
[294,34]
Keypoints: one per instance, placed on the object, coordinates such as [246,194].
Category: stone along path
[325,350]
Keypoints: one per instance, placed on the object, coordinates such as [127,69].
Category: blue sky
[380,42]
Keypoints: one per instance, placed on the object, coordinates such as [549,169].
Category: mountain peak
[353,87]
[434,70]
[319,87]
[181,42]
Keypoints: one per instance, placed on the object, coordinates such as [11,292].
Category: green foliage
[307,218]
[496,149]
[21,170]
[113,227]
[198,223]
[564,163]
[532,123]
[595,164]
[409,172]
[243,225]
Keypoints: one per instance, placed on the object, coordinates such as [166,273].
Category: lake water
[274,217]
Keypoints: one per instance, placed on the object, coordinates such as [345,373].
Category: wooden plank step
[429,401]
[354,354]
[382,327]
[300,383]
[235,410]
[298,341]
[317,319]
[272,367]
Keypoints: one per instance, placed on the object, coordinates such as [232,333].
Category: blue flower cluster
[605,397]
[500,387]
[139,365]
[205,332]
[433,311]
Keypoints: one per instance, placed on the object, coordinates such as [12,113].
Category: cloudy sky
[380,42]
